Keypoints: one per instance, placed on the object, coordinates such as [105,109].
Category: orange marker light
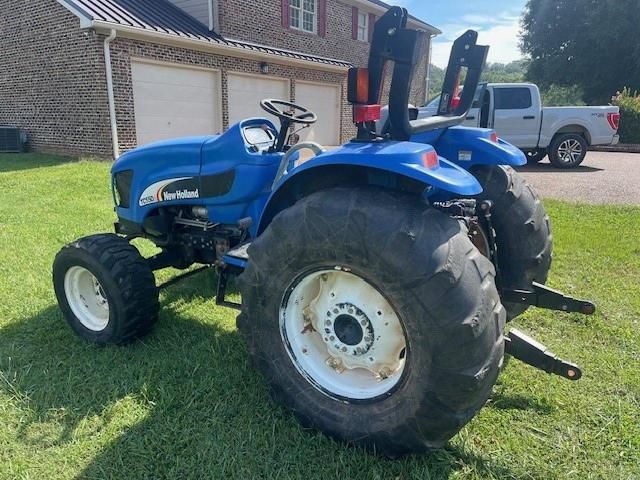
[430,160]
[493,137]
[358,91]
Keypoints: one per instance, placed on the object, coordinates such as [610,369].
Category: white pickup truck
[515,111]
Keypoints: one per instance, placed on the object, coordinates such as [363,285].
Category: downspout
[213,16]
[112,100]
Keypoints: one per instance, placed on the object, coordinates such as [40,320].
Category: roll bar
[393,41]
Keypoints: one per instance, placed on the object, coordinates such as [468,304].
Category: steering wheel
[288,114]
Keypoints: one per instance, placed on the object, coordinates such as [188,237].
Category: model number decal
[169,190]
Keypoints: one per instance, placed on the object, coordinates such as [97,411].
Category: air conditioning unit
[12,139]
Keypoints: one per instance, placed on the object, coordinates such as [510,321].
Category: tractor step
[550,299]
[238,257]
[531,352]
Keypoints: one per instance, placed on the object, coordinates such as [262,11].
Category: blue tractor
[376,279]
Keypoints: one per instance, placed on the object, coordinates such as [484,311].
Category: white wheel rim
[570,151]
[86,298]
[342,335]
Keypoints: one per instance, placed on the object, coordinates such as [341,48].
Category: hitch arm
[531,352]
[550,299]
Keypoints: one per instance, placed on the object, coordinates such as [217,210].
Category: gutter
[215,47]
[110,94]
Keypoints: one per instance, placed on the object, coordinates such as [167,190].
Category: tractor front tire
[373,318]
[105,289]
[523,230]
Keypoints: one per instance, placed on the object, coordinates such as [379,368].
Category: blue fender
[466,147]
[406,159]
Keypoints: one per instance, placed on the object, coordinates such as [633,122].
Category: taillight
[614,120]
[430,160]
[366,113]
[493,137]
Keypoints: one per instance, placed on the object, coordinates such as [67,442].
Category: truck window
[515,98]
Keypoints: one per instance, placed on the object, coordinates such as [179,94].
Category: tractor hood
[164,157]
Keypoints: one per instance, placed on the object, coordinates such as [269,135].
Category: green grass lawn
[184,403]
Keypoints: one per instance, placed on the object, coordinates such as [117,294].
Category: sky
[497,22]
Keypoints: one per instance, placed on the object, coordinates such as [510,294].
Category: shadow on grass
[520,402]
[182,403]
[14,162]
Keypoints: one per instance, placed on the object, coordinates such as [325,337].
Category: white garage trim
[335,136]
[214,82]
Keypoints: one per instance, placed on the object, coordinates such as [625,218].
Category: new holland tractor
[376,279]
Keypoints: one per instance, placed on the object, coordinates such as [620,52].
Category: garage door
[172,101]
[325,100]
[246,92]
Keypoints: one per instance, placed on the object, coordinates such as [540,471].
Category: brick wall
[52,79]
[123,50]
[261,22]
[52,75]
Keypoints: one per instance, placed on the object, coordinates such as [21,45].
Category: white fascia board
[211,47]
[85,20]
[373,8]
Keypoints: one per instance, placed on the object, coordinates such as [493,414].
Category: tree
[594,44]
[513,72]
[493,73]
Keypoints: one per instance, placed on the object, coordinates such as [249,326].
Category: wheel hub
[86,298]
[347,330]
[570,151]
[343,335]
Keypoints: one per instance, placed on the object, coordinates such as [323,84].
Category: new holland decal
[169,190]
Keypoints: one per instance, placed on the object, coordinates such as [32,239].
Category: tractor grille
[123,188]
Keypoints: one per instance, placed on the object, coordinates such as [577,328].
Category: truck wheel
[105,289]
[535,156]
[373,318]
[568,150]
[523,230]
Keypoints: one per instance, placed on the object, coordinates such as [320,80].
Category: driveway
[604,177]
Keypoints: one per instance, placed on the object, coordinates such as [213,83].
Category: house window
[303,15]
[363,27]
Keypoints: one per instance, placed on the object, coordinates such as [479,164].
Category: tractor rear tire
[438,286]
[105,289]
[523,230]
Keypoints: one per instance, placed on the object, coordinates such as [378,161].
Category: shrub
[629,103]
[561,96]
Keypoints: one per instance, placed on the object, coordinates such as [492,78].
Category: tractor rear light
[614,120]
[366,113]
[493,137]
[430,160]
[358,85]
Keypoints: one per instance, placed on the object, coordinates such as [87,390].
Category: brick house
[102,76]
